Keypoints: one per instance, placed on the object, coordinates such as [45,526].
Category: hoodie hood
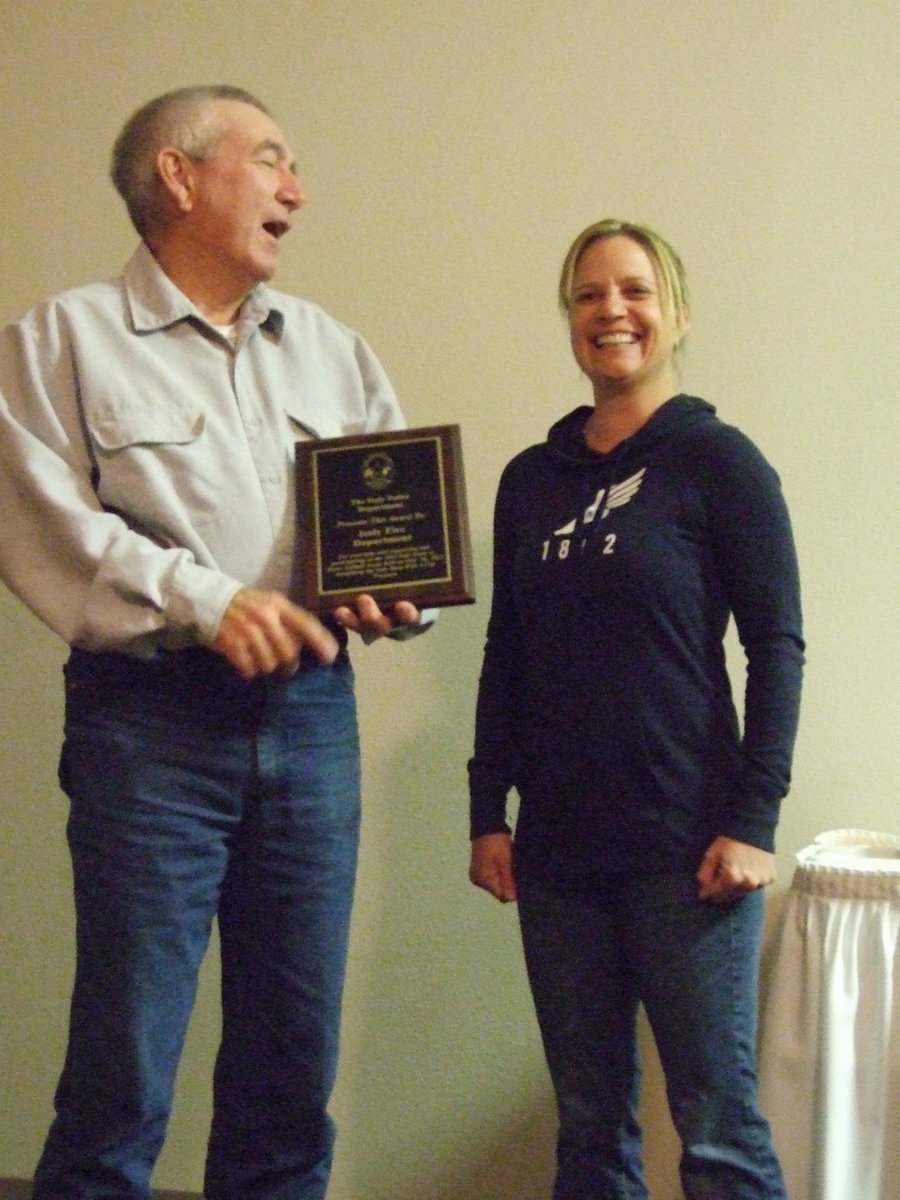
[566,445]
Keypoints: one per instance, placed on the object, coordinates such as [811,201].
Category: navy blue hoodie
[604,698]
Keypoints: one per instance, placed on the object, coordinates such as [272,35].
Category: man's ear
[176,173]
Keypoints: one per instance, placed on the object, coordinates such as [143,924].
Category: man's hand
[491,866]
[368,620]
[262,633]
[730,868]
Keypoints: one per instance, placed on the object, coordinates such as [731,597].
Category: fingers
[364,616]
[405,613]
[306,630]
[706,881]
[367,618]
[491,866]
[263,633]
[730,869]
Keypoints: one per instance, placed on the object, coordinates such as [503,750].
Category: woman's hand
[368,620]
[730,869]
[491,865]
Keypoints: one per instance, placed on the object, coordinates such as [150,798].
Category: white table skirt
[829,1061]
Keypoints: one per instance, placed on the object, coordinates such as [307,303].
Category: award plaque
[385,514]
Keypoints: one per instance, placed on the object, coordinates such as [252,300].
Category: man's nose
[291,191]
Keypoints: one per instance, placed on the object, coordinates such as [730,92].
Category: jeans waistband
[194,672]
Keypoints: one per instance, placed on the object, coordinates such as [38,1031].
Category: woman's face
[622,337]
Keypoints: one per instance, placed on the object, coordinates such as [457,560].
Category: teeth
[614,339]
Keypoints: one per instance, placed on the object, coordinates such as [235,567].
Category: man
[211,759]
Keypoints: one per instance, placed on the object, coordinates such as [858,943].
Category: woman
[646,821]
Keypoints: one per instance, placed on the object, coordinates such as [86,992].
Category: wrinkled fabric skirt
[829,1062]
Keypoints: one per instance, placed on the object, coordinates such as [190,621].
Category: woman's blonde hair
[668,266]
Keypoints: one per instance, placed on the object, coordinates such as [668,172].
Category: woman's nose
[610,303]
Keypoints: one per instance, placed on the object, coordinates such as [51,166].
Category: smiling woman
[623,290]
[622,546]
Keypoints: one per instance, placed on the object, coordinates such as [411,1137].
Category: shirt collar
[155,302]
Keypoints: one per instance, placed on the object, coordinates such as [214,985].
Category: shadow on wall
[36,923]
[516,1162]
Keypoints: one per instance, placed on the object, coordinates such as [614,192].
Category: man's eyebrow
[277,149]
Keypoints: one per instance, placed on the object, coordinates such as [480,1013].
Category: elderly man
[211,758]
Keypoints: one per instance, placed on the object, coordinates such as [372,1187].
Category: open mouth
[276,229]
[614,339]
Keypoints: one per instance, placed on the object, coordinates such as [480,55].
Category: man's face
[243,199]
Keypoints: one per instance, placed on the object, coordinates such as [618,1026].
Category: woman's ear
[683,324]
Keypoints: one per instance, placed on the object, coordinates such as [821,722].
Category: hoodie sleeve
[493,767]
[755,548]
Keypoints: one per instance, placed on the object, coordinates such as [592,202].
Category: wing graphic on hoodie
[621,493]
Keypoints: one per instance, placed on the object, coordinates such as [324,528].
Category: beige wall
[451,149]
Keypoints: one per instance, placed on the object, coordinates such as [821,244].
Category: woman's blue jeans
[195,796]
[593,955]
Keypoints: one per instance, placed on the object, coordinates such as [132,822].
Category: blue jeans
[593,956]
[194,796]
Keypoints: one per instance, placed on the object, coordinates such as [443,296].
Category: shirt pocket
[146,426]
[151,459]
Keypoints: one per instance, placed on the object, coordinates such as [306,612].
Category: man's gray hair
[186,119]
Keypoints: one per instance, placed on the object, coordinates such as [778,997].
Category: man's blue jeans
[195,795]
[593,955]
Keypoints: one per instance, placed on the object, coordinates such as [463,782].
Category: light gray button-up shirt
[147,465]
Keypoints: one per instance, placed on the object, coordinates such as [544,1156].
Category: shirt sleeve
[93,580]
[755,547]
